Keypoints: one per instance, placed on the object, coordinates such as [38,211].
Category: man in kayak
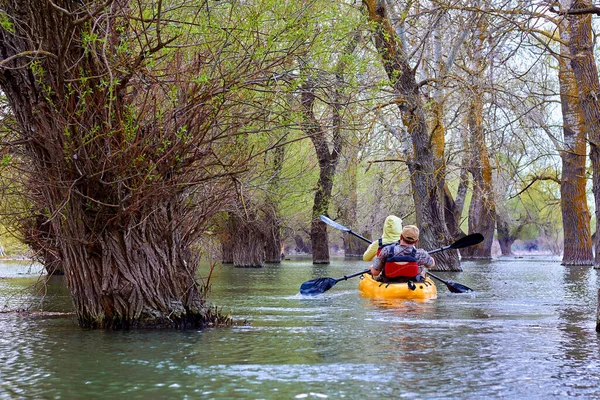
[392,228]
[403,260]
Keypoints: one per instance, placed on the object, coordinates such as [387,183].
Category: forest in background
[150,133]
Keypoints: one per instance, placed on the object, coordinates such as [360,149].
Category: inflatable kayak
[406,290]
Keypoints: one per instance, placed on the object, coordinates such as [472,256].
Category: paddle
[321,285]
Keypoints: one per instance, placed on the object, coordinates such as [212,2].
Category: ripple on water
[531,337]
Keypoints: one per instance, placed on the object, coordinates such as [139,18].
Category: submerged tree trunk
[125,280]
[327,164]
[328,159]
[227,239]
[272,229]
[302,246]
[249,248]
[585,71]
[428,192]
[505,239]
[348,204]
[122,162]
[482,209]
[577,236]
[123,270]
[272,233]
[243,238]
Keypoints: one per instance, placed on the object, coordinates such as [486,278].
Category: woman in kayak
[392,228]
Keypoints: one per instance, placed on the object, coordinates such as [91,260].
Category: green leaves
[5,22]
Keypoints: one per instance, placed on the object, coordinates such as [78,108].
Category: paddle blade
[317,286]
[452,286]
[467,241]
[457,287]
[334,224]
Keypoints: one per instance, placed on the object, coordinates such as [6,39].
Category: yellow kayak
[407,290]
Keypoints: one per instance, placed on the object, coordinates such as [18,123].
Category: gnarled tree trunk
[243,239]
[227,239]
[577,236]
[120,161]
[482,209]
[327,164]
[272,224]
[125,280]
[348,204]
[428,190]
[272,233]
[505,239]
[584,67]
[249,243]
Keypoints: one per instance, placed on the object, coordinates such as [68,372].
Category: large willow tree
[128,117]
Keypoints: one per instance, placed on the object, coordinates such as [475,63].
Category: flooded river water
[527,332]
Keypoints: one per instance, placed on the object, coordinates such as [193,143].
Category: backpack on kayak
[401,266]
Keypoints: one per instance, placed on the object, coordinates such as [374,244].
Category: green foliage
[243,64]
[5,22]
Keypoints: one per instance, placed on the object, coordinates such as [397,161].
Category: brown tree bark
[272,232]
[113,158]
[348,204]
[272,223]
[328,159]
[575,212]
[37,237]
[505,239]
[327,164]
[428,190]
[482,209]
[302,246]
[227,239]
[581,48]
[249,241]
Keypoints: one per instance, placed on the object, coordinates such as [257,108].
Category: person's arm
[371,251]
[379,261]
[373,271]
[425,259]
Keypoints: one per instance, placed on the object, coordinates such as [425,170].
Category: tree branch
[581,11]
[25,54]
[534,180]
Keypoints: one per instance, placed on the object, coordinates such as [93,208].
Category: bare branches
[535,179]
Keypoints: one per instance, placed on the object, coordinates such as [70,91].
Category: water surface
[527,332]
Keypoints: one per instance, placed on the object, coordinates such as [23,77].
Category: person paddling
[392,228]
[402,261]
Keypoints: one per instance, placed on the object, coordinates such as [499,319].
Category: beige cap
[410,233]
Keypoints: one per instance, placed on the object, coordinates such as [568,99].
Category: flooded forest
[141,138]
[183,182]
